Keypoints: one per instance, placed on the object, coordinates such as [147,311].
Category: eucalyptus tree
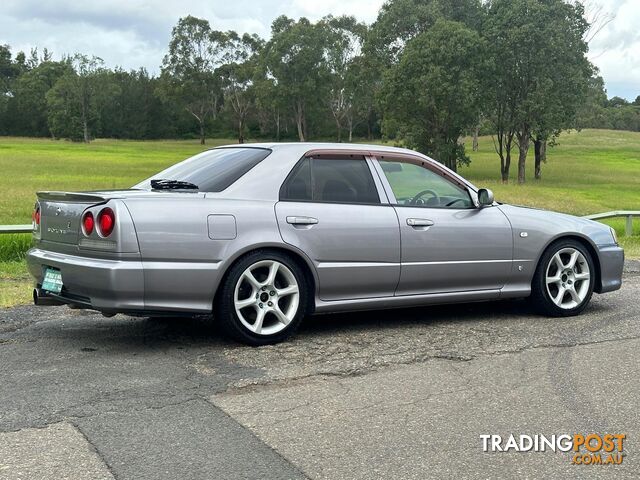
[189,77]
[271,104]
[238,78]
[399,21]
[28,105]
[9,71]
[345,36]
[294,61]
[539,72]
[73,101]
[363,82]
[432,95]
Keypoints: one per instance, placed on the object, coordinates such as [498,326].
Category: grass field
[587,172]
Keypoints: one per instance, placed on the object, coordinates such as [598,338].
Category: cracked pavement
[388,394]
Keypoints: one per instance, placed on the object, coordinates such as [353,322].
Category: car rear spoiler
[79,197]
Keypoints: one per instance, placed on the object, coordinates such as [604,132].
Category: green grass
[587,172]
[29,165]
[14,247]
[15,283]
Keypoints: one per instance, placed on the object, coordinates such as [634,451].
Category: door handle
[419,222]
[302,220]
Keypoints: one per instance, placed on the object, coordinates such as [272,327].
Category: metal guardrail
[628,214]
[628,228]
[16,228]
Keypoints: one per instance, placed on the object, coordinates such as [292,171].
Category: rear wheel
[263,298]
[564,280]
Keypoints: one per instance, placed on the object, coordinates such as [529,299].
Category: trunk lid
[61,212]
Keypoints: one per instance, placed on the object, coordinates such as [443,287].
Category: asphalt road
[394,394]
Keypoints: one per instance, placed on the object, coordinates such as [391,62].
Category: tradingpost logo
[584,449]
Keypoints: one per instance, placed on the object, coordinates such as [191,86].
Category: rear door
[448,244]
[332,209]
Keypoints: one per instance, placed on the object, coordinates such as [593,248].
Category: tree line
[424,74]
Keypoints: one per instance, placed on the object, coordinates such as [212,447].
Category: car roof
[307,146]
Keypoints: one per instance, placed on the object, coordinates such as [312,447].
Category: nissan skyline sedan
[262,235]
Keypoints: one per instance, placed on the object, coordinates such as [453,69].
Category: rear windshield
[213,170]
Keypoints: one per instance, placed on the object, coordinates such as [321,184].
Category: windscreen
[213,170]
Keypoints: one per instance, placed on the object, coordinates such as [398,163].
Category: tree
[433,94]
[591,111]
[9,71]
[539,71]
[295,59]
[363,82]
[73,101]
[401,20]
[29,104]
[189,69]
[238,78]
[270,102]
[345,37]
[616,102]
[134,111]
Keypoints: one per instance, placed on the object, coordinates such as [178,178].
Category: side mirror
[485,197]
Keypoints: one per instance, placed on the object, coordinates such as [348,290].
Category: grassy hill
[587,172]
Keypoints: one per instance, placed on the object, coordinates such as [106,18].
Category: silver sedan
[262,235]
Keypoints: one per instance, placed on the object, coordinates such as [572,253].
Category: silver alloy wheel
[266,297]
[568,278]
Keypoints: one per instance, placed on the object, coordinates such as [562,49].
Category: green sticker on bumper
[52,280]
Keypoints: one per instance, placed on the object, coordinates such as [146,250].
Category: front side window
[414,185]
[213,170]
[331,180]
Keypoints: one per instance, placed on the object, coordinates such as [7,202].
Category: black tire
[224,308]
[541,299]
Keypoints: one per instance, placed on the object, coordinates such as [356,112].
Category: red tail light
[36,216]
[88,223]
[106,221]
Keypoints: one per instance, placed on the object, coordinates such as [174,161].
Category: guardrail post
[628,229]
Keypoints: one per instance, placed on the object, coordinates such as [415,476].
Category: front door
[331,209]
[448,244]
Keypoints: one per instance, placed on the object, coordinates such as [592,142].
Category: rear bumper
[611,266]
[101,284]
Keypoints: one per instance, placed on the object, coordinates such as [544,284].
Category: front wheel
[564,280]
[263,298]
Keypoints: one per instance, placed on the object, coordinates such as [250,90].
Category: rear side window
[298,186]
[213,170]
[329,180]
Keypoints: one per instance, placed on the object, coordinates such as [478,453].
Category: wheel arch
[303,261]
[586,243]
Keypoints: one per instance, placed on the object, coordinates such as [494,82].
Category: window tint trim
[329,156]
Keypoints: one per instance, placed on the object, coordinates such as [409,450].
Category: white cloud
[133,33]
[615,50]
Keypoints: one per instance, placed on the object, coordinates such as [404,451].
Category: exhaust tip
[41,299]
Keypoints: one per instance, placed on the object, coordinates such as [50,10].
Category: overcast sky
[134,33]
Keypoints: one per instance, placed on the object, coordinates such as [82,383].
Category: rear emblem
[58,211]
